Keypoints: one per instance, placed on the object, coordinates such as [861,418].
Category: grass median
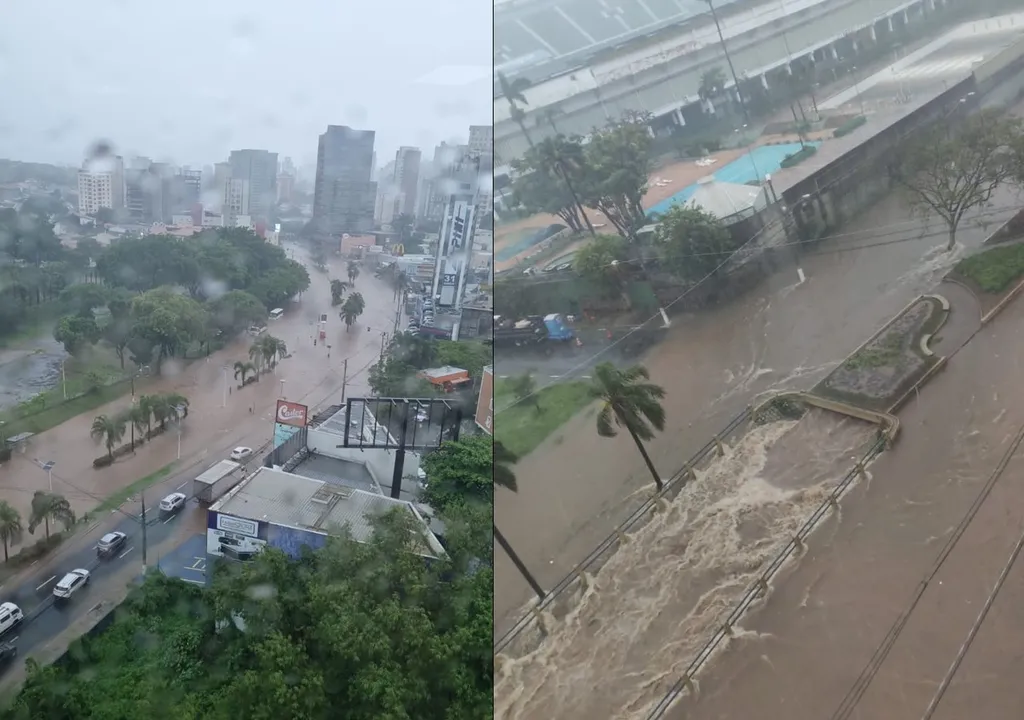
[118,499]
[523,426]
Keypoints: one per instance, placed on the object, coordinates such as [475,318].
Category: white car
[241,453]
[173,502]
[71,583]
[10,616]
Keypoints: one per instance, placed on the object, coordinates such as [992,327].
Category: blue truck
[534,331]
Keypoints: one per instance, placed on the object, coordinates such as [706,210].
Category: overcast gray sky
[190,80]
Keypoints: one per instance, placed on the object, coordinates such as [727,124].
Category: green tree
[338,288]
[83,298]
[108,429]
[694,242]
[76,333]
[602,262]
[956,167]
[280,284]
[168,321]
[352,270]
[234,311]
[352,309]
[524,389]
[271,349]
[460,472]
[49,506]
[630,401]
[712,83]
[540,185]
[135,417]
[11,528]
[618,163]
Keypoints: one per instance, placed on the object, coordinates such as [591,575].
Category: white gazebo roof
[726,201]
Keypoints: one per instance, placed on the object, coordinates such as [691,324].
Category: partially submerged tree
[953,170]
[630,401]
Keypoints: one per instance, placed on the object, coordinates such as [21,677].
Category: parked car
[10,617]
[111,544]
[241,453]
[173,503]
[70,584]
[8,651]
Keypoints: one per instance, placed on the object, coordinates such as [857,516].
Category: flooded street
[246,418]
[801,655]
[649,609]
[783,335]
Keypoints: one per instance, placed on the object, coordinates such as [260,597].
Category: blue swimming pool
[761,160]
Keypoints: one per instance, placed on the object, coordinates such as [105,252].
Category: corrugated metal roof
[725,200]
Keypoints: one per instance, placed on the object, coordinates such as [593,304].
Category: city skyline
[239,94]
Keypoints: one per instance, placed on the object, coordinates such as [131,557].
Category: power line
[973,633]
[874,664]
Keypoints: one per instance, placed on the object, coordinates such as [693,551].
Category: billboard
[460,227]
[293,414]
[391,423]
[485,403]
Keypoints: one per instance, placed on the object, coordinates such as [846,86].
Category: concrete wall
[844,187]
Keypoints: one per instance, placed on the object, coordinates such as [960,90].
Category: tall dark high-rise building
[344,195]
[259,169]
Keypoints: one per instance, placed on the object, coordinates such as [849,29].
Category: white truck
[216,481]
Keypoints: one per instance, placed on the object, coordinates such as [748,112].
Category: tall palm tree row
[629,400]
[139,416]
[265,353]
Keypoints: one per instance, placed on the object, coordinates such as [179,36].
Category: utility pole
[143,532]
[514,557]
[344,379]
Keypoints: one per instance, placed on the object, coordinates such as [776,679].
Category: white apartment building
[235,202]
[101,186]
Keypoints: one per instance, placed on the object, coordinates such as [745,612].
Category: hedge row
[799,156]
[849,126]
[106,460]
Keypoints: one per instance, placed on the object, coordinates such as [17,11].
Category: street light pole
[64,379]
[728,60]
[224,400]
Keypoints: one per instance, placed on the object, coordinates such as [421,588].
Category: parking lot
[187,561]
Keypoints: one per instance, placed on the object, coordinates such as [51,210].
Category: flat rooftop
[281,498]
[910,82]
[336,471]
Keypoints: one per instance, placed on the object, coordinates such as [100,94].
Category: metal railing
[680,478]
[759,588]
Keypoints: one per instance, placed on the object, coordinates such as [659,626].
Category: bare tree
[953,170]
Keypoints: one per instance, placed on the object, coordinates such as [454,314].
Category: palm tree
[352,309]
[506,478]
[243,369]
[353,271]
[176,408]
[10,526]
[135,418]
[338,288]
[108,430]
[513,94]
[50,506]
[146,406]
[630,402]
[256,355]
[272,349]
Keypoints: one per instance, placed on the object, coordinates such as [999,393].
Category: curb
[1001,305]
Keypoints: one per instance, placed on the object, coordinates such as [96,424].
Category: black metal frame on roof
[396,415]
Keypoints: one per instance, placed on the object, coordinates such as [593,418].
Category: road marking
[125,552]
[170,518]
[182,485]
[46,582]
[194,582]
[198,563]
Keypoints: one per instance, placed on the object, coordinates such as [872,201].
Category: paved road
[209,434]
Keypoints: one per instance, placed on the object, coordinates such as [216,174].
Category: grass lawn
[39,320]
[995,270]
[523,427]
[117,499]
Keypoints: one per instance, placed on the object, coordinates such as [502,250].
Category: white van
[276,313]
